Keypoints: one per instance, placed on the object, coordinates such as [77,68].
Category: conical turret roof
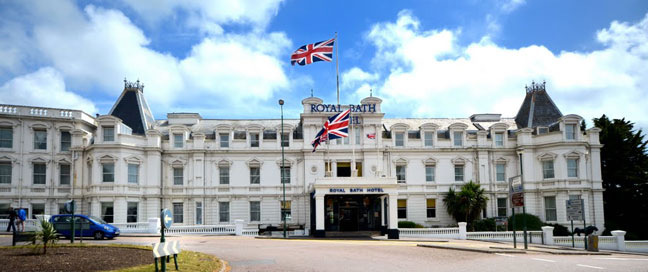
[132,109]
[537,109]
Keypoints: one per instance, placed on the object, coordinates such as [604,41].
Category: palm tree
[466,204]
[46,235]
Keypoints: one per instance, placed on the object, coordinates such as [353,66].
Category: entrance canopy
[354,186]
[354,204]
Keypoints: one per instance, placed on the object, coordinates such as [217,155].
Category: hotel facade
[125,166]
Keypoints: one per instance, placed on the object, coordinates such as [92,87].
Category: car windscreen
[97,219]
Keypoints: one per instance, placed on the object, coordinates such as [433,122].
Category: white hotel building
[125,166]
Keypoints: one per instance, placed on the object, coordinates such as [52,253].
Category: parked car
[87,226]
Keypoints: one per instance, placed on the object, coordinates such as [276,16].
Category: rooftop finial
[370,92]
[535,87]
[311,92]
[134,85]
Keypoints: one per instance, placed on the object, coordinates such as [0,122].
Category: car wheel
[98,235]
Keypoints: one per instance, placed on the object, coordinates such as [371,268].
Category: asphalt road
[250,254]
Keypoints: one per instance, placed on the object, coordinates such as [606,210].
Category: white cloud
[434,76]
[510,5]
[43,88]
[209,15]
[94,48]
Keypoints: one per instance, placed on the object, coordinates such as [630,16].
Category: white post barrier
[620,239]
[154,225]
[547,233]
[462,230]
[238,230]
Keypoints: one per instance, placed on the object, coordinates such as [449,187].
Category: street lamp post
[283,204]
[524,226]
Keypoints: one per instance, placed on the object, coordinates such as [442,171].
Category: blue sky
[230,59]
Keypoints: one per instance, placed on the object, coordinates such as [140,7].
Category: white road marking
[544,260]
[507,255]
[589,266]
[621,259]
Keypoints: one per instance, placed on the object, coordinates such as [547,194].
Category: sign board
[517,199]
[69,207]
[575,209]
[167,218]
[501,221]
[166,249]
[515,184]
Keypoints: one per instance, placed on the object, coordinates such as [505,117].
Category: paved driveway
[250,254]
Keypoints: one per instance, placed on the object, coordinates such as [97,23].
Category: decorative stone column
[547,233]
[238,227]
[392,232]
[620,239]
[154,225]
[320,215]
[462,230]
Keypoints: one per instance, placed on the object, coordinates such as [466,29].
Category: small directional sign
[167,218]
[166,249]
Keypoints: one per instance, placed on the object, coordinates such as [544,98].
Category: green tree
[467,204]
[624,167]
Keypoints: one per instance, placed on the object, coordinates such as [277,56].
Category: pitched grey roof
[537,109]
[132,108]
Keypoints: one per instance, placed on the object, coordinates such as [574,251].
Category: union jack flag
[337,126]
[319,51]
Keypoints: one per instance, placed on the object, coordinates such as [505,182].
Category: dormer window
[178,140]
[108,134]
[224,139]
[458,138]
[499,139]
[254,139]
[428,138]
[285,139]
[570,131]
[399,138]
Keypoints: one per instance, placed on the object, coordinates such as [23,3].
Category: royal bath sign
[339,108]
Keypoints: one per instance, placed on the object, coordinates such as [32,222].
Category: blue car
[87,226]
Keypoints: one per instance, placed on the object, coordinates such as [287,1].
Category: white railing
[566,241]
[202,229]
[30,224]
[250,232]
[534,237]
[637,246]
[449,233]
[138,227]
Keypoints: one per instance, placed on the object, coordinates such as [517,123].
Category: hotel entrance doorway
[352,213]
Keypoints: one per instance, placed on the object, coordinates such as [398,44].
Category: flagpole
[337,68]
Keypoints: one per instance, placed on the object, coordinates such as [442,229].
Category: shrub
[532,222]
[487,224]
[46,235]
[559,230]
[409,225]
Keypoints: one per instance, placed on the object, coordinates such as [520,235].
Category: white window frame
[108,137]
[62,175]
[135,175]
[548,209]
[106,171]
[178,140]
[178,175]
[255,211]
[574,168]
